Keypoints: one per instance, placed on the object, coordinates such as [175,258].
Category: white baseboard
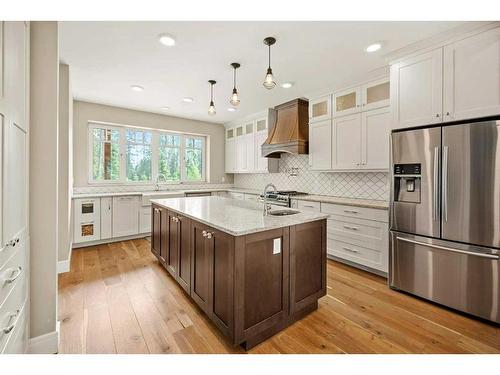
[64,265]
[45,344]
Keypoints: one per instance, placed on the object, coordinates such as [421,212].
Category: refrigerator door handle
[435,191]
[445,183]
[482,255]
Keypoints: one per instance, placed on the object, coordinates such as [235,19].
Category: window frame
[155,154]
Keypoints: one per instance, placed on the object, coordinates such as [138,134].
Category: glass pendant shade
[211,109]
[269,80]
[235,100]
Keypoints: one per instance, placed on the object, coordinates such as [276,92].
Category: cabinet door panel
[320,109]
[250,152]
[375,94]
[164,235]
[347,102]
[230,156]
[261,162]
[172,250]
[201,272]
[125,216]
[106,217]
[416,90]
[320,145]
[347,142]
[375,133]
[184,273]
[156,230]
[241,154]
[472,77]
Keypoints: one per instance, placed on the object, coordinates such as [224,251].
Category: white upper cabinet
[347,142]
[320,109]
[320,145]
[375,94]
[347,102]
[472,77]
[241,150]
[416,90]
[230,157]
[250,146]
[375,129]
[261,163]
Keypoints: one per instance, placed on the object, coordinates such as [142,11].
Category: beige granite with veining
[368,203]
[235,217]
[163,192]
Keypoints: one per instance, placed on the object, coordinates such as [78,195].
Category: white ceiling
[106,58]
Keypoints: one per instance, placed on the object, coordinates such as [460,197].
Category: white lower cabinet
[87,220]
[125,216]
[145,219]
[106,218]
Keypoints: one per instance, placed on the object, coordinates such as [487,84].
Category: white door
[320,109]
[320,145]
[230,156]
[106,218]
[375,130]
[125,216]
[416,90]
[347,142]
[347,102]
[261,162]
[375,94]
[472,77]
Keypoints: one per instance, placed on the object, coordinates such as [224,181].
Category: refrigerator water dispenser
[407,180]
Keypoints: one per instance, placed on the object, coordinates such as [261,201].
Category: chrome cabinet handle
[10,324]
[350,228]
[482,255]
[350,211]
[435,193]
[350,250]
[15,273]
[447,113]
[445,182]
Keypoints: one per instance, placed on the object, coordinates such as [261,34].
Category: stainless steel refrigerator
[445,216]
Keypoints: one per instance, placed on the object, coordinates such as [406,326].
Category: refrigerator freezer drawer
[448,273]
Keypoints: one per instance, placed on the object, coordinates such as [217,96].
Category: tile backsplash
[365,185]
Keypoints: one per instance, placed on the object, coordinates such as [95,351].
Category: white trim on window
[155,147]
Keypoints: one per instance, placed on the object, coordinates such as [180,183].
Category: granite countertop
[368,203]
[163,192]
[235,217]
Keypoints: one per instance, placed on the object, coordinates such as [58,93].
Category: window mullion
[123,151]
[155,156]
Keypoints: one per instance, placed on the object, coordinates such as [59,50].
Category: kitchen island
[251,274]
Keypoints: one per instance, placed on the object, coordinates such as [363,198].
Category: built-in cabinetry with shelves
[456,81]
[242,146]
[14,162]
[356,135]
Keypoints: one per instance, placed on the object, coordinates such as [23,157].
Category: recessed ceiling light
[187,99]
[167,40]
[373,47]
[231,109]
[165,108]
[137,88]
[287,85]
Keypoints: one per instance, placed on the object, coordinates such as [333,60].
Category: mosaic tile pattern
[146,187]
[365,185]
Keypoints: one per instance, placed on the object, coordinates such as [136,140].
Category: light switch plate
[276,246]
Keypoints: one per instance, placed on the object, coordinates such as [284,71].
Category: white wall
[44,76]
[85,112]
[65,167]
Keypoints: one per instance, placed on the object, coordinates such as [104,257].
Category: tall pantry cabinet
[14,237]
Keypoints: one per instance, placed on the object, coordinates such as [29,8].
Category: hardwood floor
[117,298]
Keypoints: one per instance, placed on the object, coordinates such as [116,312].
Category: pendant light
[211,107]
[235,100]
[269,80]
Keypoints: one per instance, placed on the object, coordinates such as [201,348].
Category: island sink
[252,275]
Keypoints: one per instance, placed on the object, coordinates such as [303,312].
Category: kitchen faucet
[267,206]
[158,180]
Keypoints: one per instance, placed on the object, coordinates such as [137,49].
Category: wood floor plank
[119,298]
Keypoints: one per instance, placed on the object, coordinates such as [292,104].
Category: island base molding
[250,286]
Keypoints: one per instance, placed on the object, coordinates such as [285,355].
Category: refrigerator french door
[445,216]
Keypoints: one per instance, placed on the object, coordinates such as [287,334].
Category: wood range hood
[290,133]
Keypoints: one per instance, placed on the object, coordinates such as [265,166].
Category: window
[170,157]
[138,155]
[193,157]
[105,154]
[119,154]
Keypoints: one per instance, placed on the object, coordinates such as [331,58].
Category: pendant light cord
[234,79]
[269,55]
[211,92]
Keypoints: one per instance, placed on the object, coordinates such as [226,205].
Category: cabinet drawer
[236,195]
[362,230]
[10,311]
[308,205]
[18,340]
[13,272]
[87,209]
[357,254]
[356,212]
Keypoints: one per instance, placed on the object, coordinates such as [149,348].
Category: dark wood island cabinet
[251,286]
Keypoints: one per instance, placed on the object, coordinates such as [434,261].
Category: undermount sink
[283,212]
